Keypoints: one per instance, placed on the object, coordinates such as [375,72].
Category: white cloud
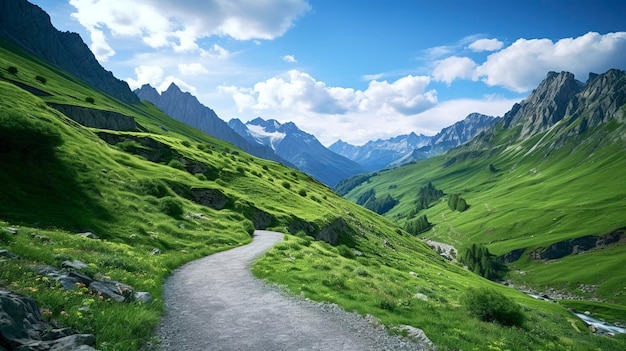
[179,24]
[452,68]
[486,45]
[191,69]
[298,92]
[370,77]
[99,46]
[152,75]
[522,65]
[381,110]
[290,59]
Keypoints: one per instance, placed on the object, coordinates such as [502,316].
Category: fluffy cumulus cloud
[331,112]
[486,45]
[454,67]
[146,74]
[179,24]
[523,64]
[297,91]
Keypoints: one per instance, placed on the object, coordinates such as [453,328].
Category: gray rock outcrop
[94,118]
[545,106]
[22,328]
[29,27]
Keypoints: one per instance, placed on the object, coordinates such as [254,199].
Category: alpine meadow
[490,243]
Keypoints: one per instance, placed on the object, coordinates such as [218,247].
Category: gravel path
[215,303]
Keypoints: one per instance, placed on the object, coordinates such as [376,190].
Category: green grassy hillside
[528,195]
[172,188]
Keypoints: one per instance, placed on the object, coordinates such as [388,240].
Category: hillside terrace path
[215,303]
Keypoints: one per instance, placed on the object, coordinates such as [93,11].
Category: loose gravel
[215,303]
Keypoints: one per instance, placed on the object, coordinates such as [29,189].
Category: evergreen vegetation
[346,185]
[379,205]
[457,203]
[425,197]
[418,225]
[479,260]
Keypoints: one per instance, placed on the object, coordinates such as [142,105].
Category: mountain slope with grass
[543,189]
[134,203]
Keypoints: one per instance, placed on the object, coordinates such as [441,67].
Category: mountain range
[299,148]
[186,108]
[544,190]
[393,152]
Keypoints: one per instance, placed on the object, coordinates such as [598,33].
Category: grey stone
[142,296]
[8,254]
[111,289]
[417,335]
[75,264]
[88,235]
[155,251]
[11,230]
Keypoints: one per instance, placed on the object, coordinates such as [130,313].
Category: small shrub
[241,170]
[345,251]
[186,143]
[90,100]
[265,167]
[12,70]
[153,187]
[286,185]
[176,164]
[492,306]
[171,207]
[302,192]
[387,304]
[41,79]
[201,176]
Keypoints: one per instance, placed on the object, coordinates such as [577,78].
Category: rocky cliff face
[29,27]
[187,109]
[545,106]
[600,100]
[94,118]
[300,148]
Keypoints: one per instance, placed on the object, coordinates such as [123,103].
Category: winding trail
[215,303]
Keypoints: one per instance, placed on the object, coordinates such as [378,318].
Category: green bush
[241,170]
[153,187]
[345,251]
[286,185]
[489,305]
[302,192]
[41,79]
[171,207]
[90,100]
[176,164]
[12,70]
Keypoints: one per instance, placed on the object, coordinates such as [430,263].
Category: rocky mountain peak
[29,27]
[600,100]
[545,106]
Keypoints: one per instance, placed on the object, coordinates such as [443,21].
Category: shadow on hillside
[39,189]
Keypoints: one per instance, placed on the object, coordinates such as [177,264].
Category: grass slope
[536,197]
[59,178]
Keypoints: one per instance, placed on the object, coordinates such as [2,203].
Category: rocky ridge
[186,108]
[29,27]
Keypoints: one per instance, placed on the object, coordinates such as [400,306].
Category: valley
[101,187]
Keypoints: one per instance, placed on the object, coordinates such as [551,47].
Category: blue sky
[355,70]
